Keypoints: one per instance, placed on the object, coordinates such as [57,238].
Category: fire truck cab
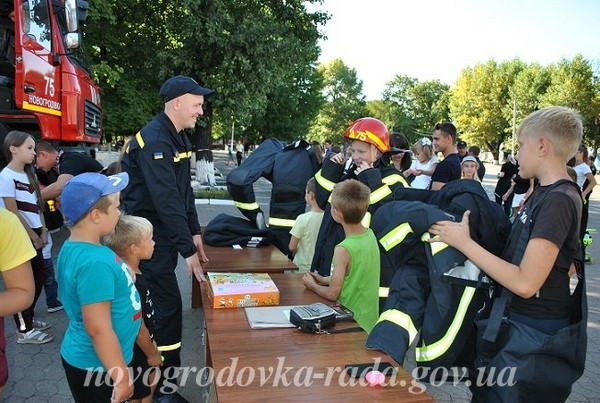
[45,89]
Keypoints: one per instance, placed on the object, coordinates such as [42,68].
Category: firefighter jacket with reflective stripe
[226,230]
[158,163]
[421,296]
[288,169]
[382,179]
[464,194]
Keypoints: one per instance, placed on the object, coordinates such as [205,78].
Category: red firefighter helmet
[370,130]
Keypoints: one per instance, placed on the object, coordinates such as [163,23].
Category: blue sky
[435,39]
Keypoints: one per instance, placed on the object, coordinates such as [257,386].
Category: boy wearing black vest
[536,322]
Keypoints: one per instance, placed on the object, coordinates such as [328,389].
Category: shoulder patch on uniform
[157,155]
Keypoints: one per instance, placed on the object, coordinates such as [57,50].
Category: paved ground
[36,374]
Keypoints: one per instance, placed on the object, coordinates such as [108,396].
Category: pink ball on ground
[375,378]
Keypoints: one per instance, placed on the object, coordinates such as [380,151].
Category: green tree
[479,100]
[258,55]
[291,108]
[121,44]
[399,94]
[344,101]
[431,104]
[416,106]
[382,110]
[572,84]
[525,95]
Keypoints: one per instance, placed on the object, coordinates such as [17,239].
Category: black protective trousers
[159,273]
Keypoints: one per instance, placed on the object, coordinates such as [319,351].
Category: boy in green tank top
[354,281]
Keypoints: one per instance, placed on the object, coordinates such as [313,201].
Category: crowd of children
[103,305]
[110,308]
[536,266]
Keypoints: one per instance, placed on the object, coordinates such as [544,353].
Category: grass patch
[212,194]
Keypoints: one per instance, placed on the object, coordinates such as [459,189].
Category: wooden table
[229,337]
[265,259]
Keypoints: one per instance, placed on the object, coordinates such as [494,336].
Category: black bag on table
[313,318]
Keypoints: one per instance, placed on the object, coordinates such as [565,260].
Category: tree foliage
[491,99]
[344,101]
[416,106]
[259,56]
[382,110]
[572,84]
[479,100]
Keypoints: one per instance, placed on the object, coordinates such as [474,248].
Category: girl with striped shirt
[20,193]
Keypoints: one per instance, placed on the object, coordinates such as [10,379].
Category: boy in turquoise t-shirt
[355,279]
[97,292]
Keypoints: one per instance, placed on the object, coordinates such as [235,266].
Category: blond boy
[132,241]
[306,229]
[534,268]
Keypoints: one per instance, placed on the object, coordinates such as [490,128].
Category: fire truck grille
[93,120]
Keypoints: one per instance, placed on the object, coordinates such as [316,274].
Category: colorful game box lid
[234,290]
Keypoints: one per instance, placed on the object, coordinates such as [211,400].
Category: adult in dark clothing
[402,159]
[444,141]
[587,182]
[67,163]
[474,152]
[520,190]
[157,160]
[461,149]
[53,219]
[505,176]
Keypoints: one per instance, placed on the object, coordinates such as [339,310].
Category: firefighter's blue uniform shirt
[90,274]
[158,163]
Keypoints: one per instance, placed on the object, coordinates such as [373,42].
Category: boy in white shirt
[305,230]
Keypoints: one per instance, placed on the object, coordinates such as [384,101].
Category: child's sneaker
[55,307]
[33,336]
[41,325]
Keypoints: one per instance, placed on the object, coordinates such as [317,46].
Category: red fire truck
[44,87]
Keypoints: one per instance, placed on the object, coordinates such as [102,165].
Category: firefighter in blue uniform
[157,160]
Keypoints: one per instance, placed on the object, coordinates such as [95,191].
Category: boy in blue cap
[97,292]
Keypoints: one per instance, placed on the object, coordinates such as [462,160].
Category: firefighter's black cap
[179,85]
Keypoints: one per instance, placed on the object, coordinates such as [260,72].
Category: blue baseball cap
[84,190]
[177,86]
